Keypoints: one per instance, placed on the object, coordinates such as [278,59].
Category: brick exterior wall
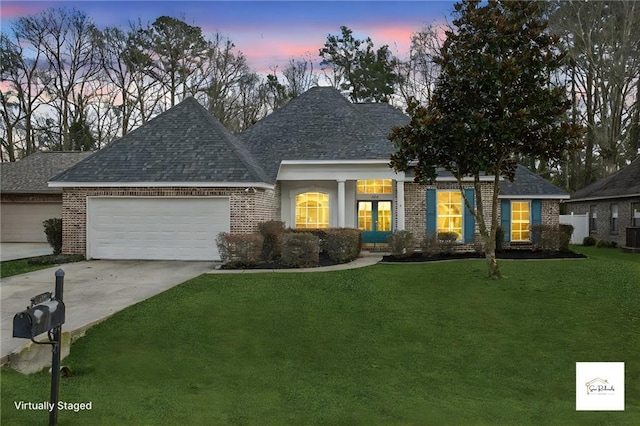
[248,208]
[31,198]
[416,214]
[415,202]
[603,221]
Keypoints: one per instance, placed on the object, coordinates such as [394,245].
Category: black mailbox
[38,319]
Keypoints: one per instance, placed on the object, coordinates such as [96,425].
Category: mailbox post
[46,315]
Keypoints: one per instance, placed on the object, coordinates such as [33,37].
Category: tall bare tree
[69,47]
[603,43]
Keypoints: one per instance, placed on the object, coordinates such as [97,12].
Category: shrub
[240,249]
[300,249]
[271,231]
[342,245]
[401,243]
[430,245]
[566,231]
[499,238]
[589,241]
[447,241]
[605,244]
[549,237]
[53,231]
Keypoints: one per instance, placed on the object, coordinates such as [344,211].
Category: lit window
[520,221]
[450,212]
[312,210]
[376,186]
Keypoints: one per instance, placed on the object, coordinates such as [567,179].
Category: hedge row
[297,248]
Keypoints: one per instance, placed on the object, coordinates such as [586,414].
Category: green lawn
[10,268]
[390,344]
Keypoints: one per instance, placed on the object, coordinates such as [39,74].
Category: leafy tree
[493,102]
[367,74]
[176,50]
[81,137]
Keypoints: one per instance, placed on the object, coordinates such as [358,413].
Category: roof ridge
[237,145]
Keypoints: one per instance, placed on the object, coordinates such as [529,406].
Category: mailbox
[38,319]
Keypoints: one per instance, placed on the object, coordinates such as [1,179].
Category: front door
[374,220]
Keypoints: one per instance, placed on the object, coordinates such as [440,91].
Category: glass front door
[374,220]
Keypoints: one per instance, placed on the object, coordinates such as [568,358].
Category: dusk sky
[269,33]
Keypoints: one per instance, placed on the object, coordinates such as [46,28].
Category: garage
[155,228]
[22,222]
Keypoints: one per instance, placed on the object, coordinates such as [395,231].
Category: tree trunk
[492,264]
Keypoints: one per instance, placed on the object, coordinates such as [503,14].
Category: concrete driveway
[13,251]
[93,290]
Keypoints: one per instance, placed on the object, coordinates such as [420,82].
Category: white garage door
[22,222]
[155,228]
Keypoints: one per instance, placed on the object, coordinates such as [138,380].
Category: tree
[603,44]
[417,76]
[367,74]
[176,50]
[493,102]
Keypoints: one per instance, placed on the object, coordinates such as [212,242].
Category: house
[166,189]
[613,204]
[25,198]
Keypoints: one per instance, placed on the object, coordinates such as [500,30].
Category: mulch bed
[418,257]
[505,254]
[324,260]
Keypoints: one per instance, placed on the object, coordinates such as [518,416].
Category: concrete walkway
[14,251]
[97,289]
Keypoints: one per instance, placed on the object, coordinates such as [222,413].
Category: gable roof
[31,174]
[623,183]
[183,145]
[527,184]
[321,124]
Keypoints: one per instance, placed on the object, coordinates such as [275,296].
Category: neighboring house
[613,204]
[26,200]
[166,189]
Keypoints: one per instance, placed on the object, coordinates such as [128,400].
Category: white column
[400,205]
[341,204]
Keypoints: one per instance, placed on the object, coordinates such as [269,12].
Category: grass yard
[433,343]
[10,268]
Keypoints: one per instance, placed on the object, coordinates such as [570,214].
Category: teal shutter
[536,212]
[469,220]
[505,219]
[536,219]
[431,212]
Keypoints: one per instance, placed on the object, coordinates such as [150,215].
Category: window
[520,220]
[450,212]
[613,209]
[593,218]
[376,186]
[312,210]
[635,214]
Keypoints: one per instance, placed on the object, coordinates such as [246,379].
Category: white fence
[580,224]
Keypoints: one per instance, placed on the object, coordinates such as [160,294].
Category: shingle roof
[623,183]
[183,144]
[31,174]
[527,183]
[321,124]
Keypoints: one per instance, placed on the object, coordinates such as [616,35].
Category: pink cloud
[17,10]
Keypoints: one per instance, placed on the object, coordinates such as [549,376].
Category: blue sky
[269,33]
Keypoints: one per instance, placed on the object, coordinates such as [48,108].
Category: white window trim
[511,222]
